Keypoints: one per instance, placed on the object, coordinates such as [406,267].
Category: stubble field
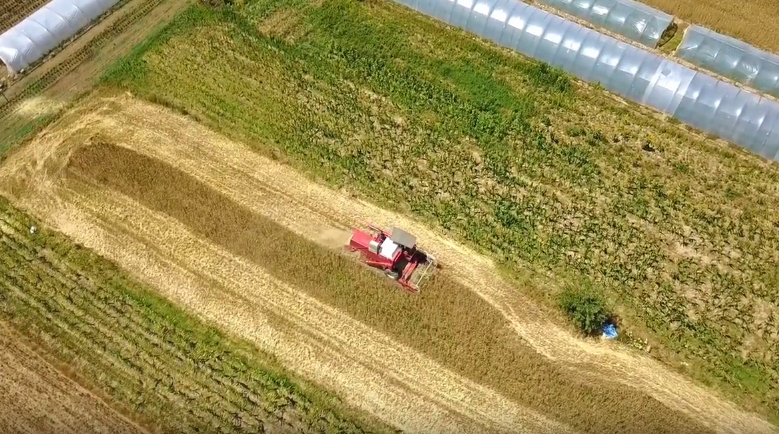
[507,155]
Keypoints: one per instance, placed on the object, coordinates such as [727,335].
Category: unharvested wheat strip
[330,368]
[226,274]
[281,194]
[341,330]
[553,342]
[315,206]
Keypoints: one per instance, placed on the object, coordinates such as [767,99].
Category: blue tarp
[609,331]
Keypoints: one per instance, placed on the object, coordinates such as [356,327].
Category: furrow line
[136,336]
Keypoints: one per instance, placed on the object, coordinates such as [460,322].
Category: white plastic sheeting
[633,20]
[731,58]
[695,98]
[47,28]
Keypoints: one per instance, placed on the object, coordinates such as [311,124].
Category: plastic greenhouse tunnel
[635,21]
[695,98]
[46,29]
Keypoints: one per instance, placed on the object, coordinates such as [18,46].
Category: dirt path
[36,399]
[368,369]
[409,381]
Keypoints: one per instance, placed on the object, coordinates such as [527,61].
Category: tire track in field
[278,192]
[369,369]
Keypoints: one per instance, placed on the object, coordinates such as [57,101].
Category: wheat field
[448,321]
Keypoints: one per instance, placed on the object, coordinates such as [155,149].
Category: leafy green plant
[586,307]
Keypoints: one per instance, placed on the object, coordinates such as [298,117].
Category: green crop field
[148,358]
[512,156]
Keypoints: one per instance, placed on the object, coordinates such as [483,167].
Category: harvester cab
[395,253]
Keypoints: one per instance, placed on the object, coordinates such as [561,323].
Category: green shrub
[586,307]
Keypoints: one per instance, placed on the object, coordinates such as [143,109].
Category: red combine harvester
[396,254]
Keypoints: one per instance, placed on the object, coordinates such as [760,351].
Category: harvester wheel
[394,275]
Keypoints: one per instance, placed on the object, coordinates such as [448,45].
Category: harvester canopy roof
[403,238]
[388,248]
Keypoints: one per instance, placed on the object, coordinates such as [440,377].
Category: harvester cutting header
[396,254]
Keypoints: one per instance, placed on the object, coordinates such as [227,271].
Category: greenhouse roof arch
[47,28]
[633,20]
[695,98]
[731,58]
